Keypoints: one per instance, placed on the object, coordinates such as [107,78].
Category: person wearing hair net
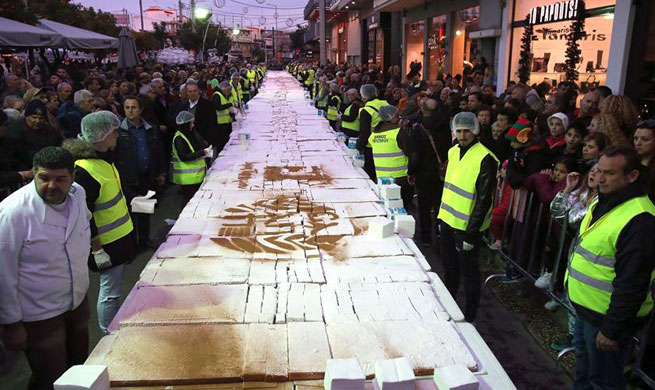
[188,156]
[237,91]
[321,98]
[112,230]
[369,118]
[390,145]
[350,117]
[225,112]
[334,106]
[245,85]
[308,83]
[466,206]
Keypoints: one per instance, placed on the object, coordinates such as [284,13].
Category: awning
[16,34]
[78,38]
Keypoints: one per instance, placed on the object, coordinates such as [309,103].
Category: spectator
[547,183]
[527,156]
[499,214]
[111,227]
[623,111]
[64,92]
[33,133]
[588,108]
[644,142]
[141,162]
[496,142]
[161,103]
[44,278]
[14,102]
[12,86]
[474,101]
[608,125]
[558,123]
[205,119]
[484,118]
[71,113]
[12,170]
[593,146]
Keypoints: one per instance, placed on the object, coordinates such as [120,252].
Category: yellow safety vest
[111,215]
[316,89]
[251,75]
[372,107]
[389,159]
[354,126]
[245,90]
[299,75]
[590,273]
[459,193]
[332,111]
[310,77]
[189,172]
[223,116]
[323,102]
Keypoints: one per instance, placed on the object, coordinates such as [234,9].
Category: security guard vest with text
[388,157]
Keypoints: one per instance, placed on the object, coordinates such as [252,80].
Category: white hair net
[387,113]
[368,91]
[184,117]
[224,84]
[96,126]
[466,120]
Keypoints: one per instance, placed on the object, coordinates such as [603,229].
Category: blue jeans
[596,369]
[109,295]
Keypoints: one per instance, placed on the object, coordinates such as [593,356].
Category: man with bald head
[588,107]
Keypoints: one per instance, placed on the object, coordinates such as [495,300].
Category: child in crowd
[496,142]
[558,123]
[573,143]
[499,214]
[527,156]
[547,183]
[593,145]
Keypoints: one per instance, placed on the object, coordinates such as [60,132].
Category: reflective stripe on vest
[332,112]
[110,213]
[389,159]
[354,125]
[591,273]
[190,172]
[223,116]
[372,107]
[458,198]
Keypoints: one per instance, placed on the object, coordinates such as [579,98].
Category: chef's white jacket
[43,264]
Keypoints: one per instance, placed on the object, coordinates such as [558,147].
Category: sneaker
[511,277]
[564,342]
[551,305]
[543,281]
[494,246]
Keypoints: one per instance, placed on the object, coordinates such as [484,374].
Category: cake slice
[84,377]
[455,377]
[394,374]
[344,374]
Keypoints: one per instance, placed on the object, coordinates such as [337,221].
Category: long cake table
[269,271]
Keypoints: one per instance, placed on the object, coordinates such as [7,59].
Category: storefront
[551,24]
[377,33]
[438,36]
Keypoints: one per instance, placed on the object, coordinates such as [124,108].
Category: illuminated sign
[557,12]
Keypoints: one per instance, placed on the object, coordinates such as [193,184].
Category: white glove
[102,259]
[233,110]
[209,152]
[338,115]
[467,247]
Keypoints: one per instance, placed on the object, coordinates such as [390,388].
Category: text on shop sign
[557,12]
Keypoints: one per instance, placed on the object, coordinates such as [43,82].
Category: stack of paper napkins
[394,374]
[144,204]
[390,195]
[455,377]
[344,374]
[380,227]
[86,377]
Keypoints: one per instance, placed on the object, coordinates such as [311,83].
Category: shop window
[464,49]
[436,46]
[371,46]
[414,43]
[379,46]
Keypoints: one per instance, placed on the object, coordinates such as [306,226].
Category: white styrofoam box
[405,225]
[455,377]
[84,377]
[344,374]
[392,203]
[380,227]
[394,374]
[353,152]
[390,191]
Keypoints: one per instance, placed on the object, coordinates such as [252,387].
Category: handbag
[443,165]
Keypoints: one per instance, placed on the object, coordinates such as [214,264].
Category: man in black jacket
[610,273]
[465,211]
[141,162]
[205,115]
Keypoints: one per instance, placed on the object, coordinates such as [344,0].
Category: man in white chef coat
[44,246]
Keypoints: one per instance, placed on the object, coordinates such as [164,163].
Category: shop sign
[557,12]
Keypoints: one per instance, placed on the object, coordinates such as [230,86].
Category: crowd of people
[472,158]
[75,150]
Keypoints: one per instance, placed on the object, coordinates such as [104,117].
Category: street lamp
[202,14]
[274,15]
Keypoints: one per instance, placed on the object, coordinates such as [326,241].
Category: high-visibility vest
[332,111]
[251,75]
[110,215]
[315,94]
[590,274]
[310,77]
[299,75]
[372,107]
[223,116]
[245,90]
[354,125]
[389,159]
[187,172]
[323,102]
[459,194]
[235,96]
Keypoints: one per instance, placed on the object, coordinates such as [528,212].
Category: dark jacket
[182,147]
[205,121]
[122,250]
[485,189]
[10,163]
[69,118]
[499,147]
[352,116]
[523,163]
[125,158]
[30,141]
[635,260]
